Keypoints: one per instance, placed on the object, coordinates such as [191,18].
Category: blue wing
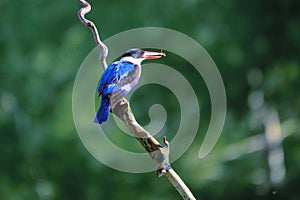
[114,74]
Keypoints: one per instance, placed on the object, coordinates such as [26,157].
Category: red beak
[150,55]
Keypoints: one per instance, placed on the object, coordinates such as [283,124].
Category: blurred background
[255,45]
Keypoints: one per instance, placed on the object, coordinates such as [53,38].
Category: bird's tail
[103,112]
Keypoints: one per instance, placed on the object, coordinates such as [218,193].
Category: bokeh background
[255,45]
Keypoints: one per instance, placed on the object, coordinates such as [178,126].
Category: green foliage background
[255,44]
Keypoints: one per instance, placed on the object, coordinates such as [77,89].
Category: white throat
[136,61]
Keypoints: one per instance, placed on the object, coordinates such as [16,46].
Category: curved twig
[81,15]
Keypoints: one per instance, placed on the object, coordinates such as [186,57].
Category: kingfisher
[119,78]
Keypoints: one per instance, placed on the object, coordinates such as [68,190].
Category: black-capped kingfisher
[119,78]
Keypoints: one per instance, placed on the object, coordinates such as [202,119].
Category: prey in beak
[150,55]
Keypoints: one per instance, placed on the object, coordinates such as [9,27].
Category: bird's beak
[150,55]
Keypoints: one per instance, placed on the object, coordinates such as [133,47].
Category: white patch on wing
[126,88]
[118,95]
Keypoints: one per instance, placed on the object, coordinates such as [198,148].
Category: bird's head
[141,55]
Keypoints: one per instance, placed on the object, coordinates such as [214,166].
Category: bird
[119,78]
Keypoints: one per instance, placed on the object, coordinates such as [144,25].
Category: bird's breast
[135,75]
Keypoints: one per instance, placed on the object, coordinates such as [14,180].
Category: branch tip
[166,141]
[81,15]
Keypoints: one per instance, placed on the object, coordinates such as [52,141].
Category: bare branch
[180,186]
[159,154]
[81,15]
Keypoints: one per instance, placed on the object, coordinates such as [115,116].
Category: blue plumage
[113,75]
[119,78]
[103,111]
[112,82]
